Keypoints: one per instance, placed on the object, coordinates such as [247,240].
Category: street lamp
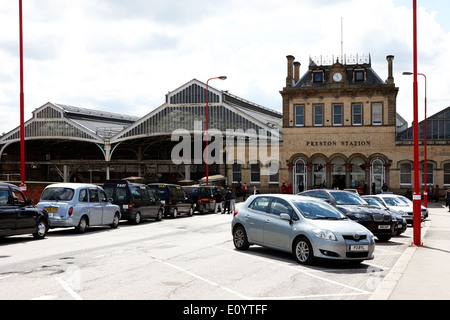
[416,195]
[207,126]
[425,193]
[22,116]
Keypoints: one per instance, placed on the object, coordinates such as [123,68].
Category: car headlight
[324,234]
[362,216]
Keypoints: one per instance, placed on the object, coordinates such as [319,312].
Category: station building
[339,128]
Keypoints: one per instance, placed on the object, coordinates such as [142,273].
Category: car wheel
[191,211]
[159,215]
[175,213]
[41,230]
[82,226]
[115,222]
[303,251]
[137,218]
[240,239]
[384,238]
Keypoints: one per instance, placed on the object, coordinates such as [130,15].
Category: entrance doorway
[299,176]
[377,175]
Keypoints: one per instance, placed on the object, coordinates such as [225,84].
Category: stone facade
[339,130]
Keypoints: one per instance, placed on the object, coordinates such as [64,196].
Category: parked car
[380,223]
[307,227]
[78,205]
[402,223]
[409,202]
[203,197]
[174,199]
[18,216]
[137,201]
[398,205]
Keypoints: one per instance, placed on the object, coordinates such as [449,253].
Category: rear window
[161,191]
[118,192]
[58,194]
[4,197]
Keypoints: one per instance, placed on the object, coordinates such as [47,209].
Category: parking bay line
[203,279]
[359,291]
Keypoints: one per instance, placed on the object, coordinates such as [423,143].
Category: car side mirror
[285,216]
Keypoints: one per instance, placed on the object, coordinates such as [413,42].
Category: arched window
[299,176]
[430,173]
[447,174]
[406,174]
[377,175]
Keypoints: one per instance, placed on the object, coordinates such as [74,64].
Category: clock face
[337,77]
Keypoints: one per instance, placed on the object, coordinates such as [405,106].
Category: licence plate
[384,227]
[359,247]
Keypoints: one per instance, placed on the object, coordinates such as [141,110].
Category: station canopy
[182,108]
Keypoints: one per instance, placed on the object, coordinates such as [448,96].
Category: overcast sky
[125,55]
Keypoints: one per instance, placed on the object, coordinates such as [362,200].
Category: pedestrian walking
[219,199]
[283,188]
[228,197]
[244,191]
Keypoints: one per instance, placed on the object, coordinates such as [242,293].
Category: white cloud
[124,56]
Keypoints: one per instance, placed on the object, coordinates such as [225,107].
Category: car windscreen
[345,198]
[58,194]
[318,210]
[191,191]
[392,201]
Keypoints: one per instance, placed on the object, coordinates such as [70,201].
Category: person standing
[283,188]
[436,193]
[244,191]
[255,190]
[228,197]
[233,202]
[447,198]
[219,199]
[289,188]
[301,187]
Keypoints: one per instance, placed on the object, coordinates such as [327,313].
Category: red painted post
[416,196]
[22,116]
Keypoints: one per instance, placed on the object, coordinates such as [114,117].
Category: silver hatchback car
[78,205]
[307,227]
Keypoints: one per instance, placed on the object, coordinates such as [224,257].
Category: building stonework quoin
[341,130]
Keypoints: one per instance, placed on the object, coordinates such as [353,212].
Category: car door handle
[267,220]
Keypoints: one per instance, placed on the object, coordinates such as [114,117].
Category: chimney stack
[297,71]
[290,69]
[390,79]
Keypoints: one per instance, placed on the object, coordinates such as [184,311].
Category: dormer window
[359,74]
[317,76]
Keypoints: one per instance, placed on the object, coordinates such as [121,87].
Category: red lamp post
[416,196]
[22,116]
[425,193]
[207,125]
